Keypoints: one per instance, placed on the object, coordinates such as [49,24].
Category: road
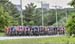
[27,37]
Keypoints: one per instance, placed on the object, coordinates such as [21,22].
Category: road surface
[25,37]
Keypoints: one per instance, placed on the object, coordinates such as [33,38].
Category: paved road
[25,37]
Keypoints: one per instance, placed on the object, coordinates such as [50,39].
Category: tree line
[10,16]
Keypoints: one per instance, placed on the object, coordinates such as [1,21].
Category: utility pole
[56,15]
[66,14]
[21,15]
[42,15]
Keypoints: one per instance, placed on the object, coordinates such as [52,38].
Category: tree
[70,26]
[5,18]
[11,9]
[29,15]
[72,3]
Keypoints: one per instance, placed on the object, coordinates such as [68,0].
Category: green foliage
[72,3]
[5,18]
[12,10]
[32,15]
[9,15]
[29,14]
[70,25]
[35,14]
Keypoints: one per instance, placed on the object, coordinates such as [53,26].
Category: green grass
[2,34]
[51,40]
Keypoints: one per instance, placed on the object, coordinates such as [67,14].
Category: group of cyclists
[33,30]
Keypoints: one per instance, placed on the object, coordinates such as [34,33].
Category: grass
[58,40]
[2,34]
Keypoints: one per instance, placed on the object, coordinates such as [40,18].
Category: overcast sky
[63,3]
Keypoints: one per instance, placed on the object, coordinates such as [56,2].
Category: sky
[62,3]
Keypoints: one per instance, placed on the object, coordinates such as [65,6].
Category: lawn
[2,34]
[50,40]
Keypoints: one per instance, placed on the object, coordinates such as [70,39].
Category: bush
[70,25]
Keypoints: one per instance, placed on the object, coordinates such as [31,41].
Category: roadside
[39,40]
[25,37]
[2,34]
